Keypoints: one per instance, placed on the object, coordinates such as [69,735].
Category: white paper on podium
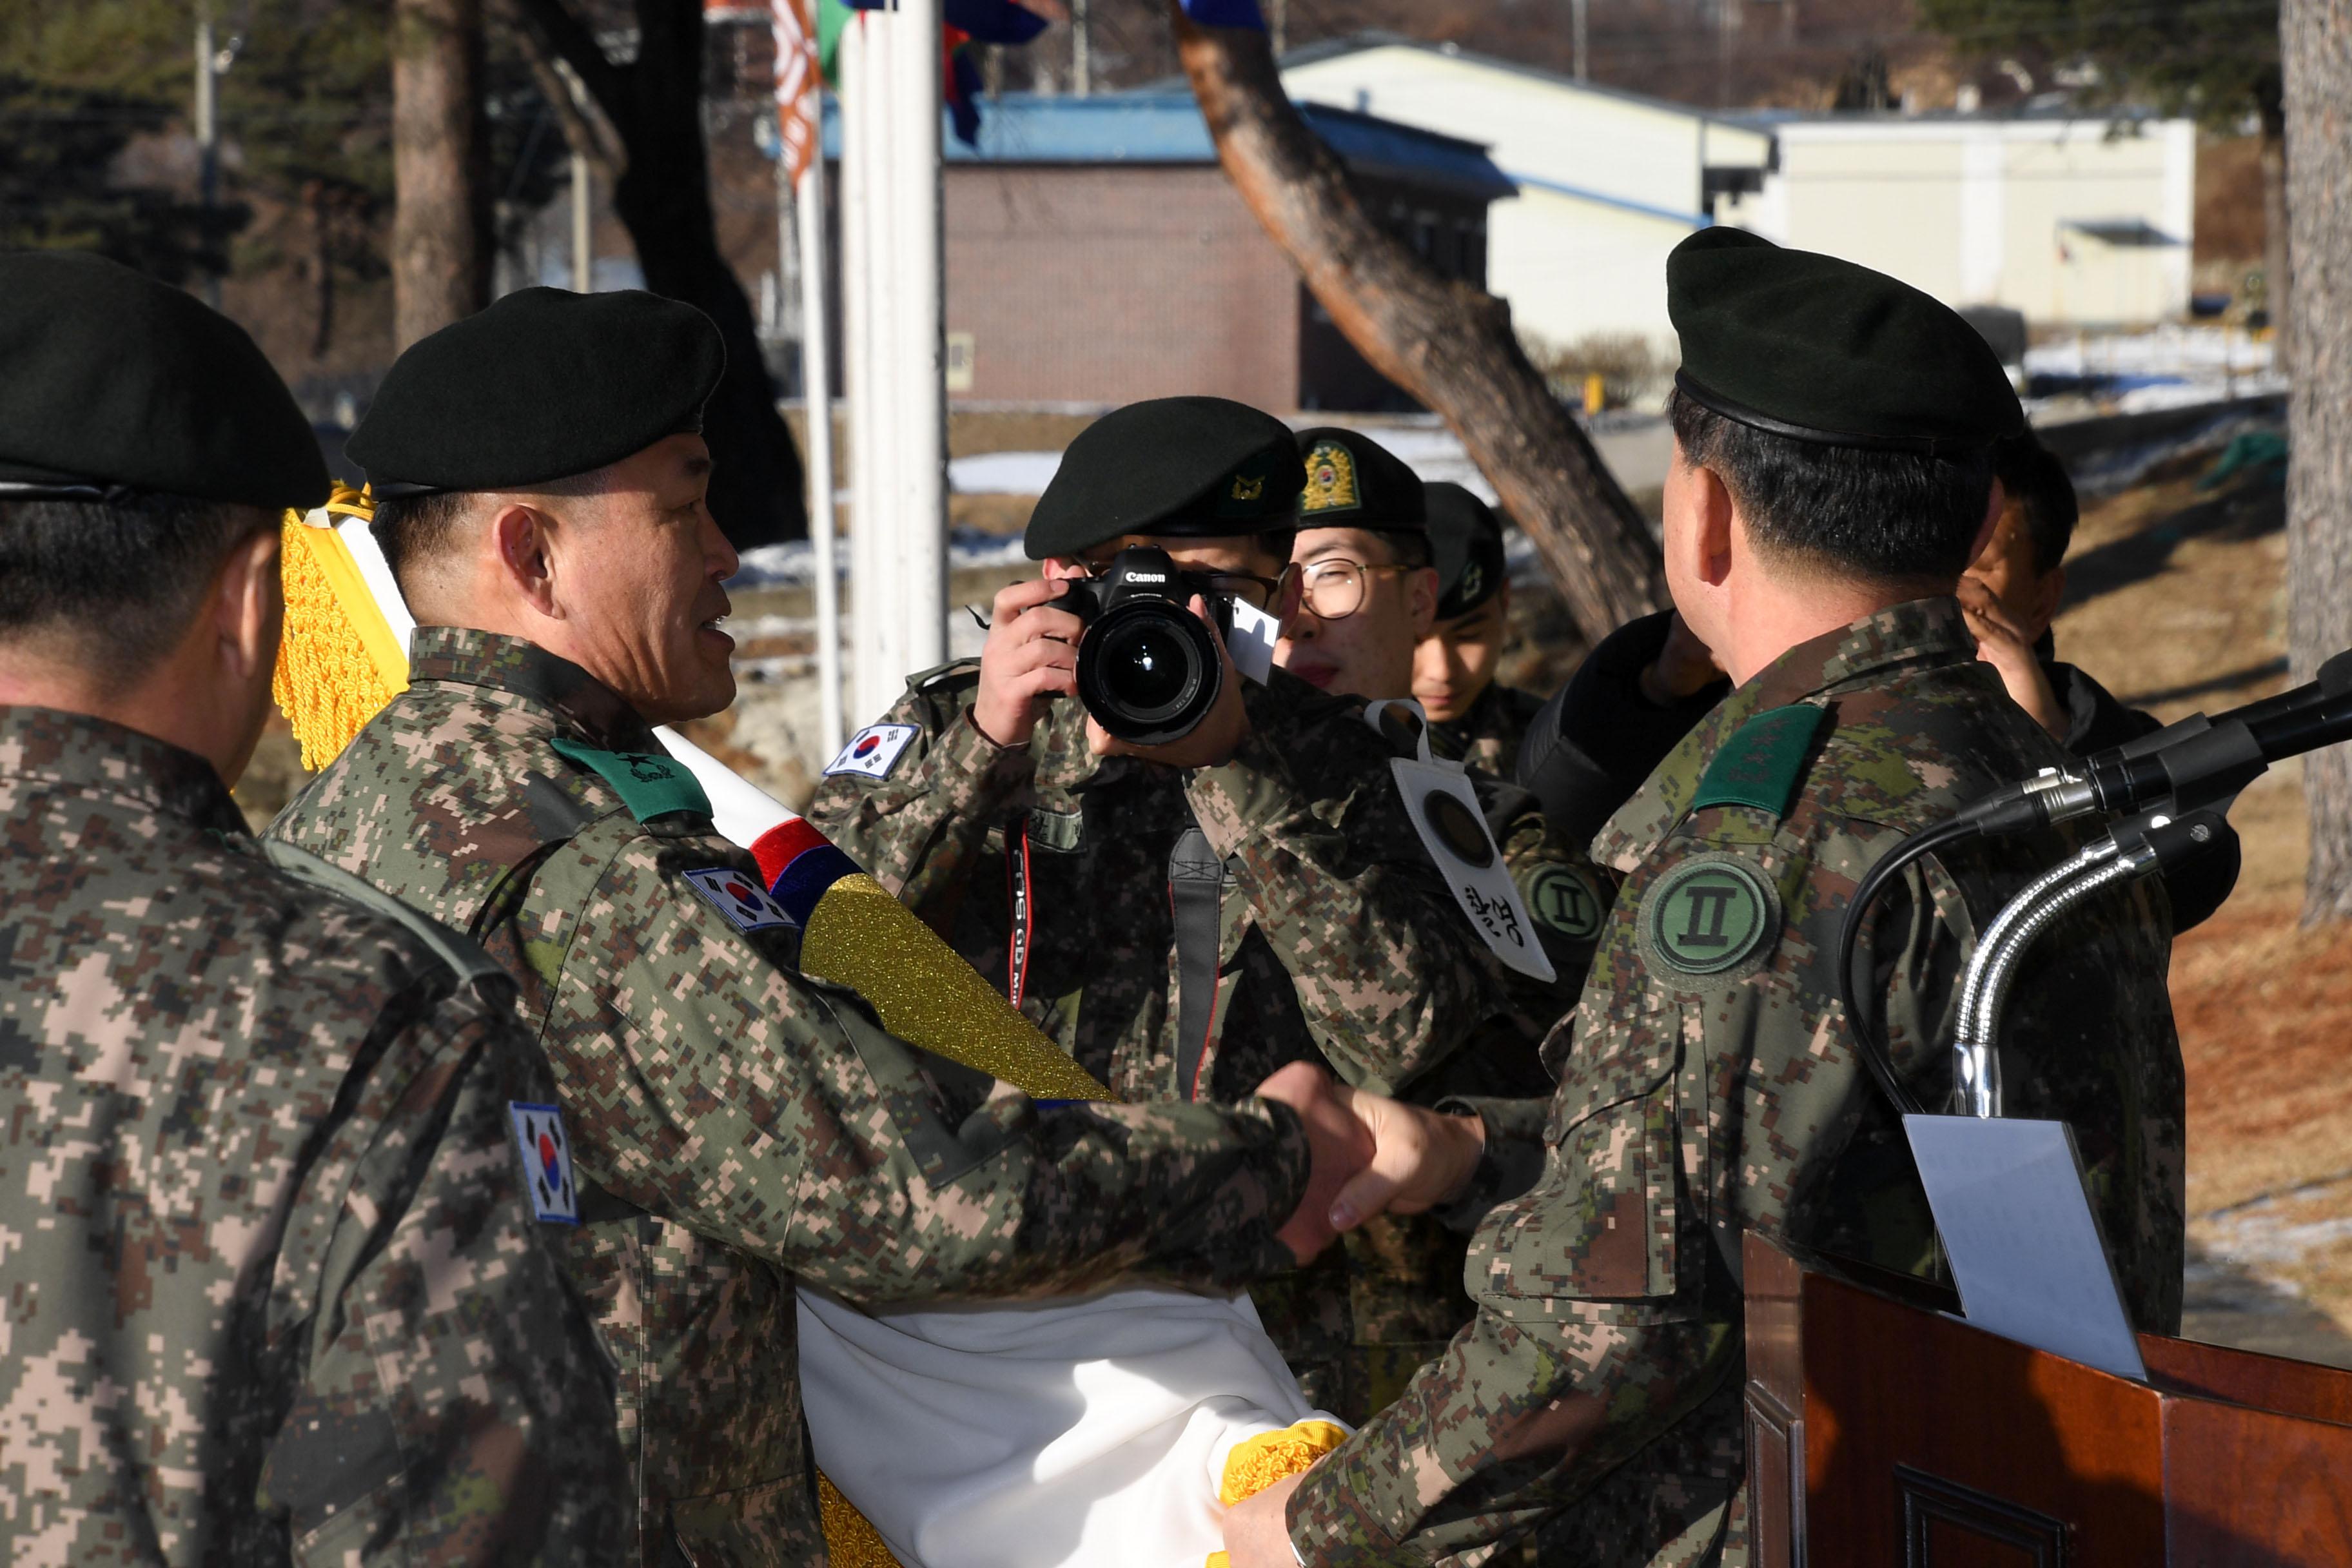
[2024,1245]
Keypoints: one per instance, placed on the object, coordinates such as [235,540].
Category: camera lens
[1148,671]
[1147,667]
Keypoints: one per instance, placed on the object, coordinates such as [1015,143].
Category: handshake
[1371,1155]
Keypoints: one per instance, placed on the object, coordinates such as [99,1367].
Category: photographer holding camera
[1236,884]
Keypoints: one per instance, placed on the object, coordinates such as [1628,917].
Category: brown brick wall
[1109,284]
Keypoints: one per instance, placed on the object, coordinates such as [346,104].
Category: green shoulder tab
[1760,765]
[650,785]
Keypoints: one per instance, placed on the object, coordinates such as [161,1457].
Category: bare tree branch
[1447,344]
[552,25]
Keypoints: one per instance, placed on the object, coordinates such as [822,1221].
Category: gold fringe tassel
[338,663]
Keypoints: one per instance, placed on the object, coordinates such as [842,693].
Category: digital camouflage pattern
[748,1127]
[1488,735]
[1706,1090]
[1338,941]
[274,1293]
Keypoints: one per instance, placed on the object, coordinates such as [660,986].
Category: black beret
[1465,545]
[543,386]
[1196,467]
[1824,351]
[1353,481]
[112,381]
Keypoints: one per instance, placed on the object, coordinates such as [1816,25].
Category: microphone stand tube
[1993,971]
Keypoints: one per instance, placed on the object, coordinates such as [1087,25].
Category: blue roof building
[1096,253]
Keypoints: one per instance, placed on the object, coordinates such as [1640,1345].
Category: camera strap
[1023,911]
[1196,882]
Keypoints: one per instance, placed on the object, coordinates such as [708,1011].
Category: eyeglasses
[1258,592]
[1335,586]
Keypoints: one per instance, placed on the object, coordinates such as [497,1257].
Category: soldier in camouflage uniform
[740,1127]
[1476,718]
[1054,857]
[1709,1080]
[275,1289]
[1372,582]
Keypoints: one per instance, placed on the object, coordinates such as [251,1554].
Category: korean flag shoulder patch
[874,750]
[546,1151]
[740,899]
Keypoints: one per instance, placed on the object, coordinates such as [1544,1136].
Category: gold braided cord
[338,662]
[849,1541]
[861,937]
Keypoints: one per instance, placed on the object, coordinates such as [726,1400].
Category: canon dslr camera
[1149,670]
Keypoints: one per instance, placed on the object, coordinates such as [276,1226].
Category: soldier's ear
[523,559]
[1710,540]
[1423,582]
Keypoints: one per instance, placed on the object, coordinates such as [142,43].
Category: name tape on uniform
[546,1162]
[740,899]
[874,750]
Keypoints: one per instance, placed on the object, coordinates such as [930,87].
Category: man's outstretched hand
[1257,1529]
[1371,1155]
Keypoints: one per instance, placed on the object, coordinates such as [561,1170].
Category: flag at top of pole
[796,84]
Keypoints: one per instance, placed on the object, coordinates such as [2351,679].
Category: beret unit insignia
[1330,480]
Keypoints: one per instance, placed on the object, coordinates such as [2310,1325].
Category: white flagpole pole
[816,397]
[920,341]
[857,289]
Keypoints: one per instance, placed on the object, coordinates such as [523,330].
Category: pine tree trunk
[440,226]
[2315,39]
[662,196]
[1447,344]
[2278,269]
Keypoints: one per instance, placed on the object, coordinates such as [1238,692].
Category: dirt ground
[2177,601]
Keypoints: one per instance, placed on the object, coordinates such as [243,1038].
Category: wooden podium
[1883,1433]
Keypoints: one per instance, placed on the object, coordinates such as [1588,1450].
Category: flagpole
[860,278]
[816,398]
[920,336]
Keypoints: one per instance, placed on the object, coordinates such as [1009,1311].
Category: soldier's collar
[88,755]
[1928,631]
[581,703]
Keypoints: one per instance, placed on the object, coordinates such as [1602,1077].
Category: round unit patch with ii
[1562,899]
[1712,917]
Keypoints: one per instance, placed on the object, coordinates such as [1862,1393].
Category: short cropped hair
[2037,481]
[123,577]
[1890,518]
[412,530]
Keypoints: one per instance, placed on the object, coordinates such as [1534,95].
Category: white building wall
[1632,149]
[1984,211]
[1575,268]
[1610,182]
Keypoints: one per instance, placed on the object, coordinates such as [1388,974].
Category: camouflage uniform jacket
[748,1127]
[274,1292]
[1338,941]
[1709,1084]
[1488,735]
